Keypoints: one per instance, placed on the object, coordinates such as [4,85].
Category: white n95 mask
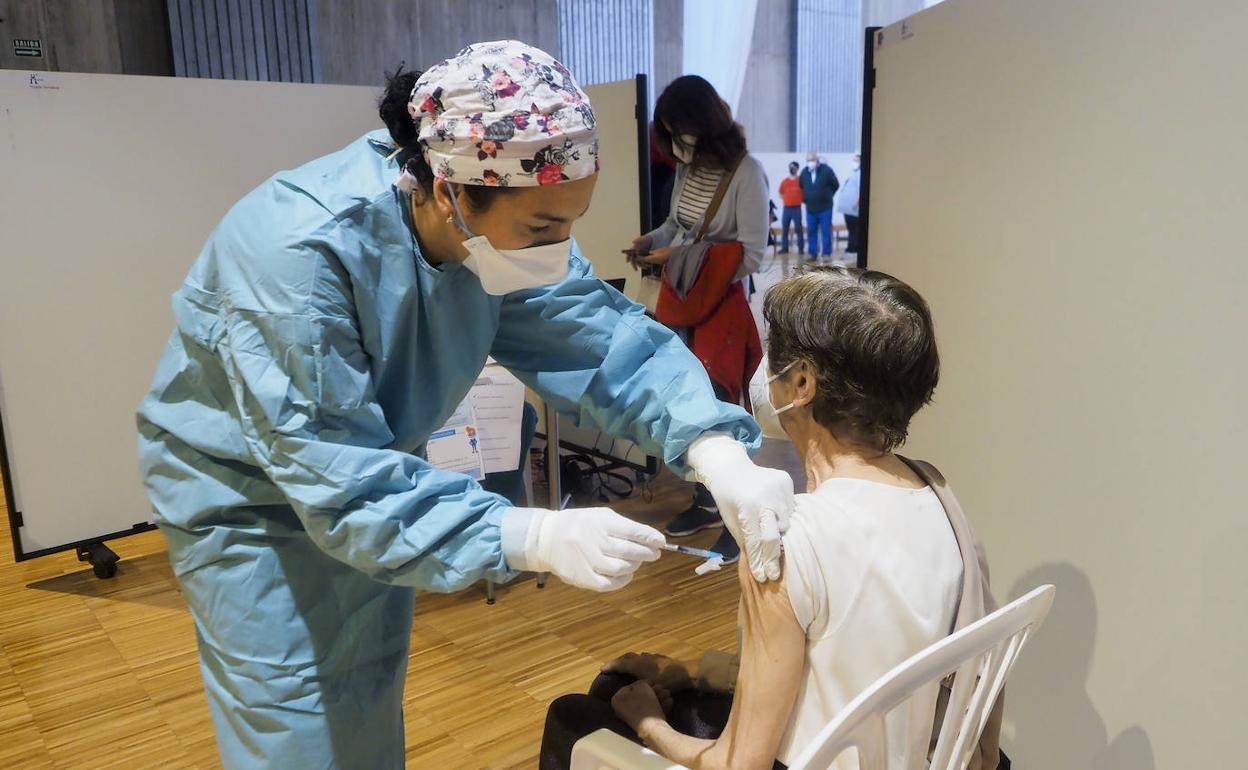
[765,413]
[504,271]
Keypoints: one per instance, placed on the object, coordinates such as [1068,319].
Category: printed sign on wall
[27,47]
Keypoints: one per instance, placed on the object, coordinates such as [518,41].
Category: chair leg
[528,481]
[554,489]
[489,592]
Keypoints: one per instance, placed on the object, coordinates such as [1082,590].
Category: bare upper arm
[773,656]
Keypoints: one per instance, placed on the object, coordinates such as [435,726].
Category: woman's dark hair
[392,108]
[690,105]
[869,339]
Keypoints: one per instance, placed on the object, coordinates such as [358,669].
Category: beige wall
[1065,182]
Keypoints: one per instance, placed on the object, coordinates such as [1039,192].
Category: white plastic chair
[607,750]
[981,655]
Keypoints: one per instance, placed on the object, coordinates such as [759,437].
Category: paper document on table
[456,446]
[498,403]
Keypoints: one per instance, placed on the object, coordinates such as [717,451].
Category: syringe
[698,552]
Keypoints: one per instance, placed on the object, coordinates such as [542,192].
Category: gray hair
[870,341]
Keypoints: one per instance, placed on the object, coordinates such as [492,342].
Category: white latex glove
[594,548]
[755,502]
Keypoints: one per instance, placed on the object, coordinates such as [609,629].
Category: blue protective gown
[281,445]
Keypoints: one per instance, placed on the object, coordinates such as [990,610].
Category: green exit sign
[27,47]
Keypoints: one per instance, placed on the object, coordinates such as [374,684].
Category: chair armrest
[606,750]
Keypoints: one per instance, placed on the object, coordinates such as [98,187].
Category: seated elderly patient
[872,568]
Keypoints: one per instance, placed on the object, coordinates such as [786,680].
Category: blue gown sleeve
[302,389]
[595,356]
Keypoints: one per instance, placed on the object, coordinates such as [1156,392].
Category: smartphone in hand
[634,255]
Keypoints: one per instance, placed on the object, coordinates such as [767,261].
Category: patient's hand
[637,703]
[656,670]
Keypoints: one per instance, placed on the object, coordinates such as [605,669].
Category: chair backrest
[980,656]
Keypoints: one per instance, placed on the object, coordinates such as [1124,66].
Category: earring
[450,220]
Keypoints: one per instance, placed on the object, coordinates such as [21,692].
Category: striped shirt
[695,196]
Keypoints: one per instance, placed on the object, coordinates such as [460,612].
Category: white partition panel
[1065,181]
[613,220]
[614,216]
[110,186]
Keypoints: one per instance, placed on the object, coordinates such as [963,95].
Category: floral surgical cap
[504,114]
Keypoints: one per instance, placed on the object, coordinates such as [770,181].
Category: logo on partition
[42,82]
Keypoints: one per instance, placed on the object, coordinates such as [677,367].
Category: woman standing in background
[695,126]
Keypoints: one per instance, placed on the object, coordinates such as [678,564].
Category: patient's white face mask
[504,271]
[766,413]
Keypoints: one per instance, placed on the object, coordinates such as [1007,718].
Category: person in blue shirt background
[819,186]
[335,318]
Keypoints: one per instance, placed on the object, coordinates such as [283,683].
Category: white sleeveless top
[873,573]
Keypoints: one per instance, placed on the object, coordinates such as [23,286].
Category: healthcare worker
[335,318]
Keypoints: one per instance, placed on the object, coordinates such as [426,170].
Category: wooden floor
[104,673]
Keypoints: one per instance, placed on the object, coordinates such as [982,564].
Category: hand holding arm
[755,502]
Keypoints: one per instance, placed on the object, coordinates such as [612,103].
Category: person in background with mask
[695,126]
[819,186]
[847,205]
[335,318]
[791,196]
[873,572]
